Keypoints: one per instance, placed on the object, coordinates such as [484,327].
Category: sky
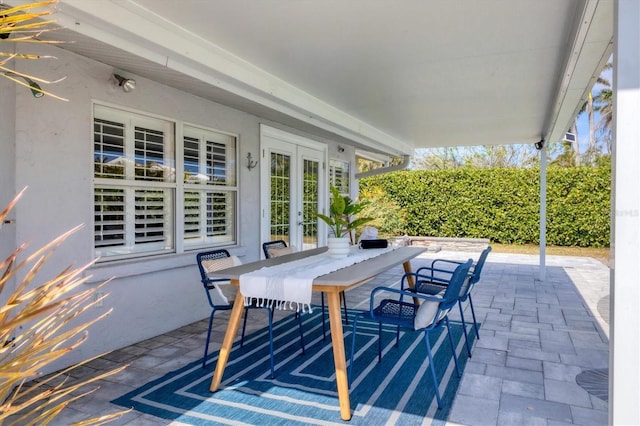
[583,122]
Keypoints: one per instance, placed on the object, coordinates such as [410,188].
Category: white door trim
[270,136]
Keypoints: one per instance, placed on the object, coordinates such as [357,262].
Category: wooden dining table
[331,284]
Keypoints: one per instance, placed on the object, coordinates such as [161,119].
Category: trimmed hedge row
[499,204]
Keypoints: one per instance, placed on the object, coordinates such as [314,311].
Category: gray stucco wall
[53,157]
[7,171]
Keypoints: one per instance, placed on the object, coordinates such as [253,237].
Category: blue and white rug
[399,390]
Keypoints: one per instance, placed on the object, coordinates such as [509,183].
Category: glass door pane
[310,203]
[280,197]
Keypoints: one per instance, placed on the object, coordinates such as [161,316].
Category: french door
[293,177]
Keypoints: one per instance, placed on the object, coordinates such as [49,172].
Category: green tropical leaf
[338,203]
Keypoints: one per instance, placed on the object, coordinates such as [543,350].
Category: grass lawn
[601,254]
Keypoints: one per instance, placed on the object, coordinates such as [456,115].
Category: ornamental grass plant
[23,25]
[39,325]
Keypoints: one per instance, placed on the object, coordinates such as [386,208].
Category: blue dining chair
[431,280]
[216,260]
[430,314]
[279,248]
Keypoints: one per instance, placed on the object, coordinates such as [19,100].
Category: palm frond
[25,24]
[24,56]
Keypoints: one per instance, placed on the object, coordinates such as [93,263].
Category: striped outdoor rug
[399,390]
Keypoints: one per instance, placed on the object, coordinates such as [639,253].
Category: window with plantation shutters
[136,185]
[210,187]
[339,176]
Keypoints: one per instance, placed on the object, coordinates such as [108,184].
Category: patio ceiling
[389,76]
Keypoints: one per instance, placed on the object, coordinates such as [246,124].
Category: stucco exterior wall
[53,157]
[7,170]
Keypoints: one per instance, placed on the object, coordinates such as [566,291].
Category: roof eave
[161,42]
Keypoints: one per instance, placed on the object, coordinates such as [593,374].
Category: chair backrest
[459,278]
[209,261]
[272,248]
[477,269]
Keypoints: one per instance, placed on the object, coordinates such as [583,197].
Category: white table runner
[288,285]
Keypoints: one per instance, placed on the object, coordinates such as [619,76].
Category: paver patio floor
[535,339]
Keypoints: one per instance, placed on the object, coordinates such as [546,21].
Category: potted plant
[341,222]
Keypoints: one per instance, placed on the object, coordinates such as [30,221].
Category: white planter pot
[338,247]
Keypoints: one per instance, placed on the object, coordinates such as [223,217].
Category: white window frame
[174,185]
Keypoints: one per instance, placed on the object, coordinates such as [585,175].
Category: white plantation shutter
[218,214]
[216,162]
[109,217]
[150,216]
[108,139]
[209,215]
[150,163]
[191,147]
[339,176]
[192,214]
[132,220]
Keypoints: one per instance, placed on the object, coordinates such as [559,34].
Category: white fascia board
[372,156]
[580,58]
[128,26]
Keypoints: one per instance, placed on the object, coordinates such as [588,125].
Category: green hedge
[499,204]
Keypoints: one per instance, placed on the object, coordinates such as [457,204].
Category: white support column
[543,212]
[624,346]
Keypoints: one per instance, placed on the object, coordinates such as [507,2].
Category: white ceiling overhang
[386,76]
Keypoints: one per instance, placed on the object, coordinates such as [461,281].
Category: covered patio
[338,80]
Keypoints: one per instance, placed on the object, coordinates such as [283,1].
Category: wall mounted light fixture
[539,145]
[127,84]
[250,163]
[340,149]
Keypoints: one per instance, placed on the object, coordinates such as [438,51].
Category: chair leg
[271,363]
[324,324]
[301,334]
[353,349]
[453,347]
[206,345]
[344,304]
[464,329]
[433,368]
[244,326]
[473,314]
[379,342]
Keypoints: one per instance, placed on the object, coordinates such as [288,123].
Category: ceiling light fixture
[127,84]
